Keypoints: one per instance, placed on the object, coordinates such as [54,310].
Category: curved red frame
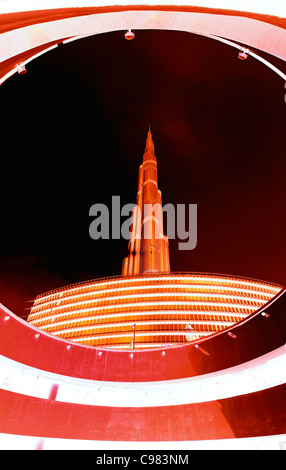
[250,338]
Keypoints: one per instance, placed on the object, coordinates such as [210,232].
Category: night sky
[74,135]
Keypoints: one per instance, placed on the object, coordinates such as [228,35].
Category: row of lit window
[93,294]
[139,345]
[183,315]
[190,298]
[140,336]
[74,328]
[141,341]
[145,306]
[120,282]
[139,290]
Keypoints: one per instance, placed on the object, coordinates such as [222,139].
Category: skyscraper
[148,306]
[226,390]
[148,246]
[206,365]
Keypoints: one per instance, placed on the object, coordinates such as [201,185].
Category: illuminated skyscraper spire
[148,246]
[149,142]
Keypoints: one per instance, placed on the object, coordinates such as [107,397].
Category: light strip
[53,321]
[139,323]
[91,295]
[259,374]
[93,340]
[26,442]
[189,296]
[127,335]
[251,308]
[143,280]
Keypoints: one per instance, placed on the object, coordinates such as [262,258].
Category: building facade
[225,390]
[147,360]
[148,306]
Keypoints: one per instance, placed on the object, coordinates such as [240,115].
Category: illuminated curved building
[158,310]
[150,359]
[207,369]
[148,306]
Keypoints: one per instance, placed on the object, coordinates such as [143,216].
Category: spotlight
[129,35]
[21,69]
[243,54]
[232,335]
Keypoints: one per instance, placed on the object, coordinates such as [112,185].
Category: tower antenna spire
[149,141]
[148,246]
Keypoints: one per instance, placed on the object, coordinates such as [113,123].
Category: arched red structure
[26,32]
[53,389]
[226,390]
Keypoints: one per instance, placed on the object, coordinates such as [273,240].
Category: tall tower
[148,246]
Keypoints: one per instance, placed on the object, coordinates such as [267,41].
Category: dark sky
[75,126]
